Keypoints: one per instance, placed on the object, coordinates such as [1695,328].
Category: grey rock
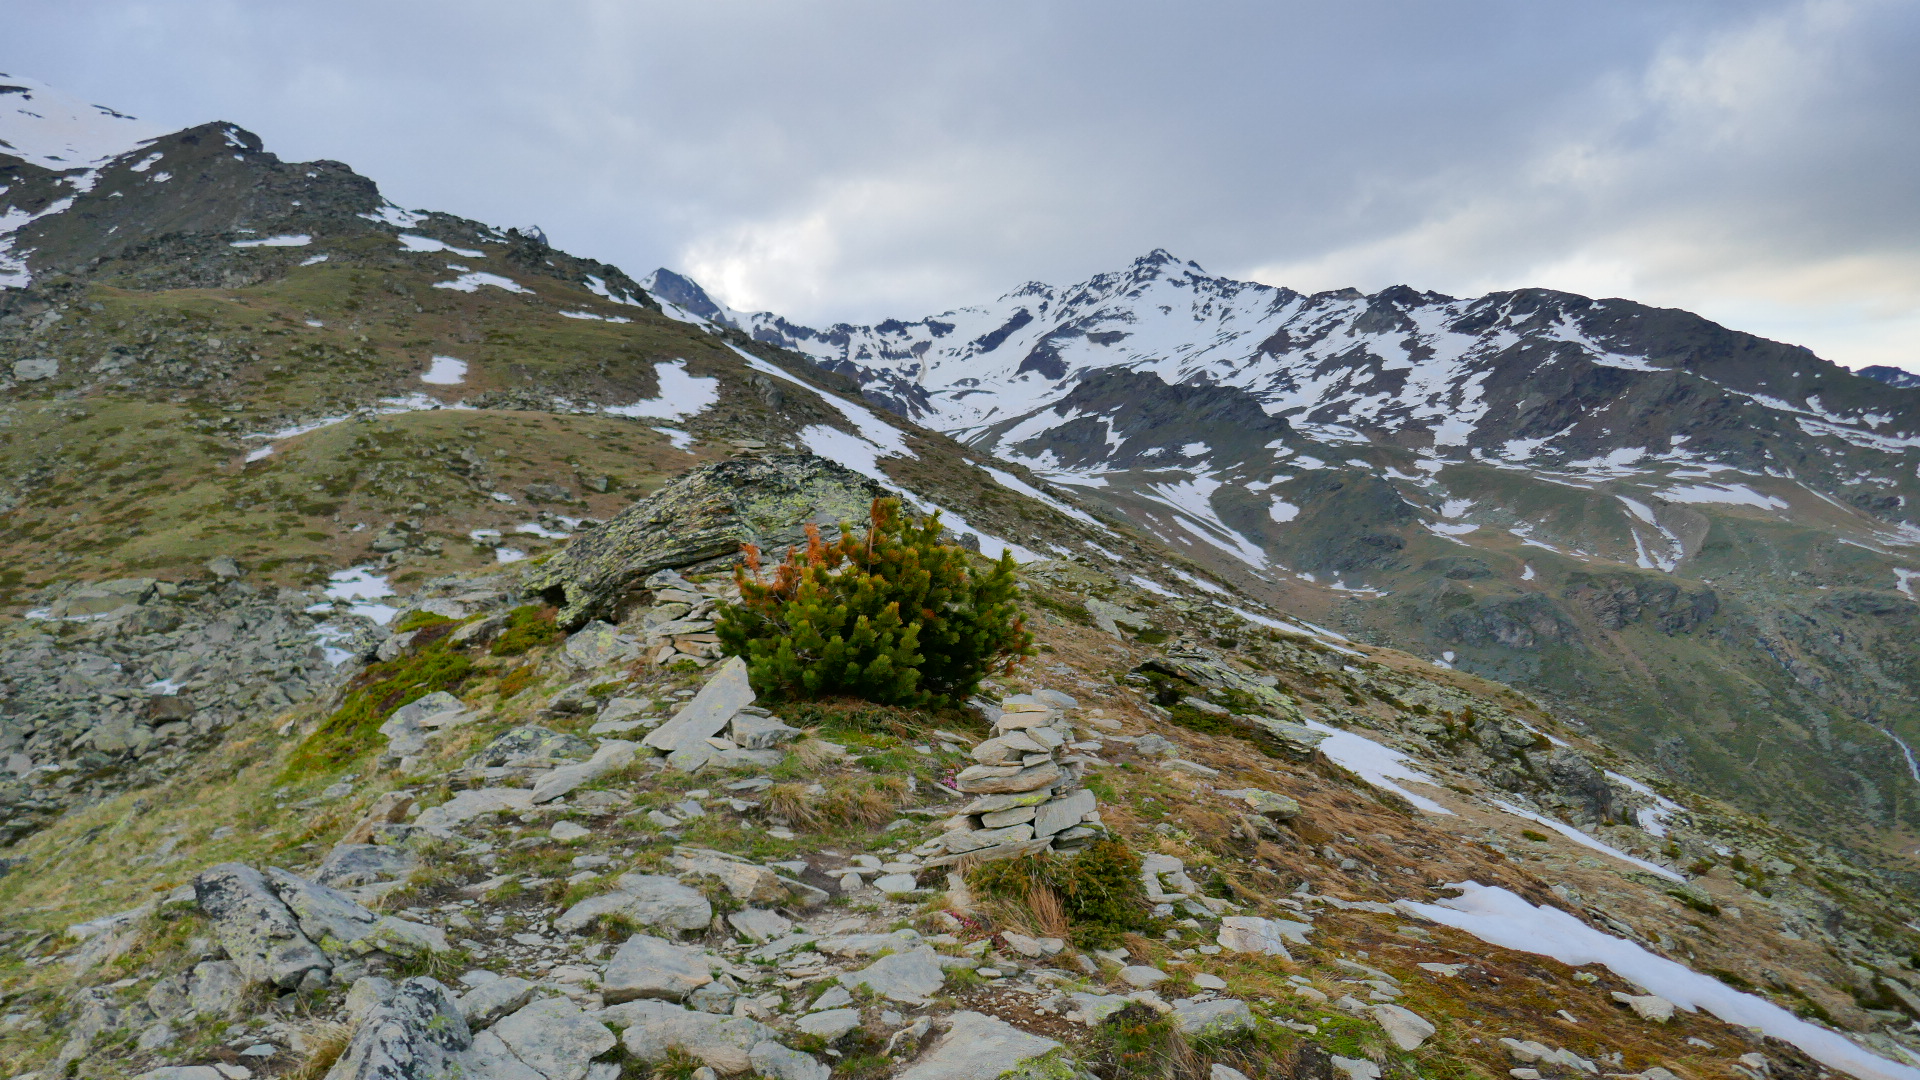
[1091,1009]
[1063,813]
[703,516]
[1056,699]
[995,780]
[182,1072]
[612,756]
[223,566]
[418,1034]
[1355,1068]
[491,1000]
[491,1059]
[532,746]
[215,986]
[761,732]
[1267,803]
[980,1047]
[829,1024]
[710,710]
[33,369]
[1219,1016]
[259,933]
[647,967]
[1141,976]
[1151,745]
[759,925]
[648,900]
[598,645]
[909,977]
[329,918]
[1225,1072]
[168,997]
[652,1028]
[368,993]
[349,865]
[744,880]
[555,1038]
[773,1060]
[470,804]
[1250,934]
[1647,1006]
[715,997]
[1405,1027]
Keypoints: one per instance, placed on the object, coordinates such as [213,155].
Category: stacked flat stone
[1027,794]
[679,626]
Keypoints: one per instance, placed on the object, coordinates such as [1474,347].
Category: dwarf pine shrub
[890,614]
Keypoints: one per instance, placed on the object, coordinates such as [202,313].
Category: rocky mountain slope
[594,855]
[1696,540]
[361,716]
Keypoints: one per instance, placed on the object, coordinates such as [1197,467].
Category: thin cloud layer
[858,160]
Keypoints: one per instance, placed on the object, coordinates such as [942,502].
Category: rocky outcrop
[110,683]
[699,518]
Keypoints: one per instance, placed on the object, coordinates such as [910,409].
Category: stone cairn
[1028,796]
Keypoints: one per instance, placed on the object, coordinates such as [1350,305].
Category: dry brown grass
[326,1041]
[847,801]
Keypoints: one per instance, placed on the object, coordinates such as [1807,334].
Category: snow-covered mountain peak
[51,129]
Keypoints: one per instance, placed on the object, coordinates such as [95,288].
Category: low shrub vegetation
[891,615]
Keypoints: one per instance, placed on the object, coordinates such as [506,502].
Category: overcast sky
[1753,161]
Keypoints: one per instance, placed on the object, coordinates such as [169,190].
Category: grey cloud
[855,160]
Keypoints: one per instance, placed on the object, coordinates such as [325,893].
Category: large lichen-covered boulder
[702,517]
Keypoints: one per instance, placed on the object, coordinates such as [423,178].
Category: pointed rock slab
[710,710]
[415,1035]
[555,1038]
[259,933]
[907,977]
[828,1024]
[490,1059]
[1407,1029]
[647,967]
[979,1047]
[647,899]
[652,1028]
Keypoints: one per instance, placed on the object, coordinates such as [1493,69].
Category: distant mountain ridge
[1621,507]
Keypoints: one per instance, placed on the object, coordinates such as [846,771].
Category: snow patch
[471,282]
[681,395]
[1584,840]
[1377,764]
[287,240]
[445,371]
[1501,918]
[412,242]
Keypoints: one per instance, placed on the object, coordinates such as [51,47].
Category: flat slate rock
[647,899]
[724,695]
[647,967]
[979,1047]
[653,1028]
[908,977]
[555,1038]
